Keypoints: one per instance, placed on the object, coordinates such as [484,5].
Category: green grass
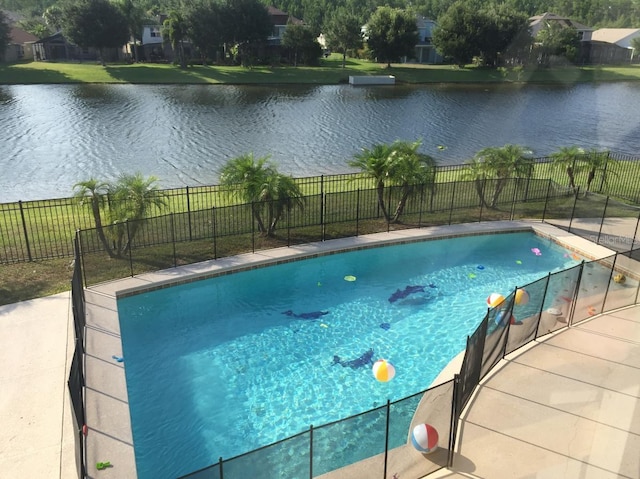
[330,71]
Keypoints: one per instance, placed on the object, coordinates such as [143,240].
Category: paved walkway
[36,432]
[566,407]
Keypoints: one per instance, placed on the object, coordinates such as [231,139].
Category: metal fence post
[573,210]
[357,211]
[189,214]
[386,439]
[321,199]
[213,230]
[24,229]
[253,229]
[606,292]
[129,247]
[220,461]
[513,201]
[453,196]
[323,225]
[546,201]
[453,425]
[635,234]
[544,296]
[575,296]
[604,214]
[311,451]
[173,240]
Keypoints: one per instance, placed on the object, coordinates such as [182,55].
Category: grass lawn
[330,71]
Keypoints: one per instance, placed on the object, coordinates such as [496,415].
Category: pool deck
[567,405]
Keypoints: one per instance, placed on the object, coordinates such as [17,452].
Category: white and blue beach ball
[424,438]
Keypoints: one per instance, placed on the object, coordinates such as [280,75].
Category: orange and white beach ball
[383,370]
[522,297]
[494,300]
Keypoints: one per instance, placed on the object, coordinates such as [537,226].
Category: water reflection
[56,135]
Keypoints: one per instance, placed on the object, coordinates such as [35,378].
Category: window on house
[155,32]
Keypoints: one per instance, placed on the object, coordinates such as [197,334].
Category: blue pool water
[215,368]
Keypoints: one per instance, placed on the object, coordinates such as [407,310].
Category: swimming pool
[218,367]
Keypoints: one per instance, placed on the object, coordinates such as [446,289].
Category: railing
[36,230]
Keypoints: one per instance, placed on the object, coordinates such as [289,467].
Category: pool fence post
[129,247]
[604,214]
[189,213]
[386,439]
[546,200]
[311,451]
[453,196]
[213,231]
[253,229]
[321,199]
[322,222]
[357,211]
[544,296]
[173,239]
[572,310]
[24,229]
[573,210]
[288,227]
[484,187]
[453,423]
[221,471]
[513,201]
[606,292]
[635,234]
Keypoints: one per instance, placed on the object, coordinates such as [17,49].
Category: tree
[94,23]
[343,33]
[391,34]
[556,40]
[465,32]
[270,193]
[130,200]
[399,164]
[567,158]
[174,28]
[53,17]
[303,43]
[205,28]
[498,164]
[5,29]
[92,193]
[597,162]
[134,15]
[457,35]
[246,23]
[635,44]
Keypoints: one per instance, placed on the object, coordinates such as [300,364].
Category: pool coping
[107,410]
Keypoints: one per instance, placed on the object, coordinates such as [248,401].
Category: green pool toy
[518,261]
[102,465]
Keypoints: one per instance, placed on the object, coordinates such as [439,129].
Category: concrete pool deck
[603,382]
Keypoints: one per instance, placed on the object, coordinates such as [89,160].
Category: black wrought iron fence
[44,229]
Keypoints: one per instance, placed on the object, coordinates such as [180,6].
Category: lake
[56,135]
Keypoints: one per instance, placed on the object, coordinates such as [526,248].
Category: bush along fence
[37,230]
[549,304]
[168,241]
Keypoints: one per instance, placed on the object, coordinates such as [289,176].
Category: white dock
[372,80]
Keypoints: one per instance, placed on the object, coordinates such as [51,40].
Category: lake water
[56,135]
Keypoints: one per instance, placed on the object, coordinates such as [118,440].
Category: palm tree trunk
[479,184]
[572,181]
[95,208]
[500,184]
[380,190]
[401,205]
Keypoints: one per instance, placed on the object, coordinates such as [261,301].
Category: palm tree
[501,164]
[567,158]
[93,193]
[258,182]
[132,199]
[411,170]
[373,163]
[596,162]
[175,28]
[397,164]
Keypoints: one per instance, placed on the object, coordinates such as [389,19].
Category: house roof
[282,18]
[18,36]
[619,36]
[538,22]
